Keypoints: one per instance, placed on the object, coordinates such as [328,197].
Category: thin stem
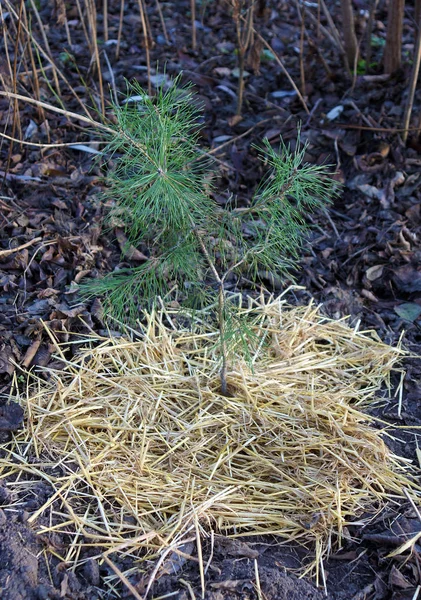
[301,14]
[221,323]
[221,310]
[285,71]
[147,44]
[16,114]
[120,29]
[105,13]
[413,83]
[161,18]
[240,80]
[193,23]
[92,20]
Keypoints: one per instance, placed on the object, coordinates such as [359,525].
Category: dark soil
[363,260]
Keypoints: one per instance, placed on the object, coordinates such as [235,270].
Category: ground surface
[363,260]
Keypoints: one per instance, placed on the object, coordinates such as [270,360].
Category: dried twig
[4,253]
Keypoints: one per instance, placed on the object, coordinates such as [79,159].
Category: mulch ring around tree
[144,458]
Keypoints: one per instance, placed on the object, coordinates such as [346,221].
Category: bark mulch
[363,260]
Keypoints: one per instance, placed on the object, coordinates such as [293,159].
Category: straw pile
[142,450]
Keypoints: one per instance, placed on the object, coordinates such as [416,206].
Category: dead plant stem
[147,44]
[161,18]
[413,83]
[16,114]
[120,29]
[284,70]
[193,24]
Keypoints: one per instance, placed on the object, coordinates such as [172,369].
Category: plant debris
[143,452]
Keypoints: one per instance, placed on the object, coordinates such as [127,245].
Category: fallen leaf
[374,272]
[398,179]
[396,579]
[371,191]
[253,59]
[236,73]
[283,94]
[79,276]
[222,71]
[384,149]
[5,360]
[31,130]
[407,279]
[84,148]
[63,310]
[408,311]
[30,353]
[369,295]
[237,548]
[97,310]
[127,249]
[222,138]
[335,112]
[42,357]
[47,293]
[414,214]
[229,584]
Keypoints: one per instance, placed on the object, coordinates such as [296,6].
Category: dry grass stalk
[83,16]
[16,123]
[141,450]
[193,24]
[301,12]
[120,29]
[283,68]
[41,29]
[44,54]
[105,17]
[147,41]
[25,27]
[34,71]
[161,18]
[413,83]
[96,58]
[333,34]
[244,32]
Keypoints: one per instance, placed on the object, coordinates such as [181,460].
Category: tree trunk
[350,39]
[393,49]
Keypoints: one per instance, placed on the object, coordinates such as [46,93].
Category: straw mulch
[142,451]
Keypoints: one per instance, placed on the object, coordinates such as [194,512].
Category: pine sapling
[161,190]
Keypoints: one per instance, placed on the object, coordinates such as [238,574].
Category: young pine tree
[160,185]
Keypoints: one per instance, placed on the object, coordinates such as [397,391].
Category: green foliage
[378,42]
[290,191]
[154,142]
[362,66]
[159,183]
